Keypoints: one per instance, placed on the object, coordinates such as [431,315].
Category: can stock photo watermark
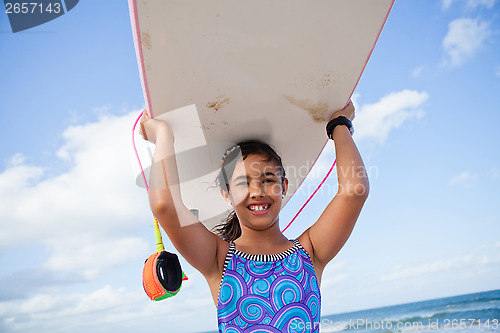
[26,14]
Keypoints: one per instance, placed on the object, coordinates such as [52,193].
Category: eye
[242,184]
[269,180]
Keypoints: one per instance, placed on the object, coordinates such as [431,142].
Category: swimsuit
[268,293]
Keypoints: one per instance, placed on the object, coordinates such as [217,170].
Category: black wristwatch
[340,120]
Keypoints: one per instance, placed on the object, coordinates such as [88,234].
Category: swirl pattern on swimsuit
[269,293]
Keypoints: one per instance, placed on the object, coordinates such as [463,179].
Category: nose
[255,190]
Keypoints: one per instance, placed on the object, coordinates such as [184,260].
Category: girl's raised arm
[189,236]
[337,221]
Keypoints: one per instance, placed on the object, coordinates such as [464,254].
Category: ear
[285,186]
[226,196]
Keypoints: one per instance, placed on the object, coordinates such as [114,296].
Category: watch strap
[340,120]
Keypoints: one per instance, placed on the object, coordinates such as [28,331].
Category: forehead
[255,165]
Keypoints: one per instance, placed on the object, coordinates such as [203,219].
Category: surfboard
[223,71]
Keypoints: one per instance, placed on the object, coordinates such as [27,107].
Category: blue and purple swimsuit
[269,293]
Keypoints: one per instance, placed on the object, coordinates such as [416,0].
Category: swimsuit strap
[296,241]
[267,257]
[230,252]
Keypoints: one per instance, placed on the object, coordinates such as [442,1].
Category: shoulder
[306,243]
[216,270]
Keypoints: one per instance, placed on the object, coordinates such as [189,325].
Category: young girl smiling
[260,281]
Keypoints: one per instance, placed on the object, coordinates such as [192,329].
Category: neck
[267,239]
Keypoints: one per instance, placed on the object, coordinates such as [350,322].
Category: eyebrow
[246,177]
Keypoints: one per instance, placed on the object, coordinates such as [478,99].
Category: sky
[75,229]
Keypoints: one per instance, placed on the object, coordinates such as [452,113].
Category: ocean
[478,312]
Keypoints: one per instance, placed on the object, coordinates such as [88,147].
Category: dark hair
[230,228]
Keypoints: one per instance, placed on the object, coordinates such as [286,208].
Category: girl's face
[255,191]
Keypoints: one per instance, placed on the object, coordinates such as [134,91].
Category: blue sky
[76,229]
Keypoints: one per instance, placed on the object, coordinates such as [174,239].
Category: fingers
[142,131]
[144,118]
[145,115]
[350,110]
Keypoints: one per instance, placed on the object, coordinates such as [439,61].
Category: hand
[151,128]
[347,112]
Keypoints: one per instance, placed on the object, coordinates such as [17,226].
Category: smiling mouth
[259,209]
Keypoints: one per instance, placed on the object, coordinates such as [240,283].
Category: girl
[260,281]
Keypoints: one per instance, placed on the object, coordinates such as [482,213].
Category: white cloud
[406,272]
[85,211]
[16,159]
[463,178]
[465,265]
[376,121]
[109,308]
[494,173]
[86,221]
[418,71]
[470,4]
[90,257]
[17,175]
[67,312]
[334,276]
[372,121]
[464,38]
[446,4]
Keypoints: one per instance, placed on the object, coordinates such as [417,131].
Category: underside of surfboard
[223,71]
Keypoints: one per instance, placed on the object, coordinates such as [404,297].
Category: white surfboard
[223,71]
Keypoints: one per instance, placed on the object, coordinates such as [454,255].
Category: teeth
[259,208]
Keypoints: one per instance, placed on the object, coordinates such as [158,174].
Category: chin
[262,224]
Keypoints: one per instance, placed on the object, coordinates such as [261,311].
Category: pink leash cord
[312,195]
